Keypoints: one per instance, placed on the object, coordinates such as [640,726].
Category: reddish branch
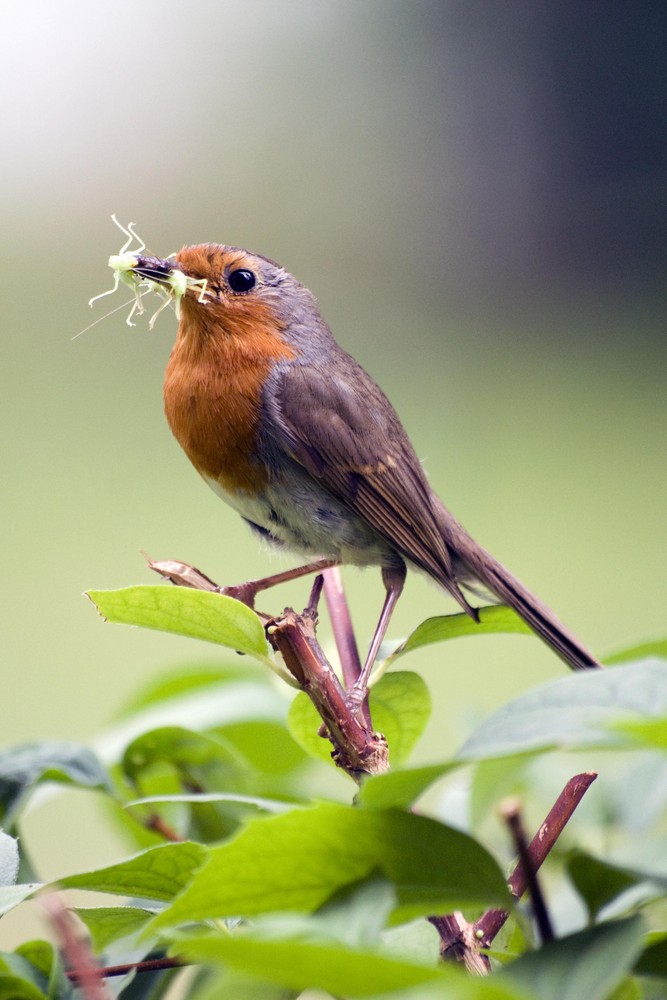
[357,749]
[462,941]
[149,965]
[84,969]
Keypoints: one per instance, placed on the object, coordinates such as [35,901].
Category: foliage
[271,890]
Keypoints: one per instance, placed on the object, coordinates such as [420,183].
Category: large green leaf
[340,970]
[197,614]
[651,733]
[24,767]
[492,620]
[158,873]
[107,924]
[597,882]
[582,710]
[399,789]
[299,860]
[400,705]
[589,964]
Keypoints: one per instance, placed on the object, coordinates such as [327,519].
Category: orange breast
[213,385]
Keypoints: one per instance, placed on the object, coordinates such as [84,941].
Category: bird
[298,439]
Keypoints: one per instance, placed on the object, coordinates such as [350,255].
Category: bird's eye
[242,280]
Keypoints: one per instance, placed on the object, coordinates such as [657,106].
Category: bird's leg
[246,592]
[393,578]
[341,623]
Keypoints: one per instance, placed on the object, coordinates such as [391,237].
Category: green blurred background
[472,190]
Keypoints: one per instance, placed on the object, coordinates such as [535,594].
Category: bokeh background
[474,190]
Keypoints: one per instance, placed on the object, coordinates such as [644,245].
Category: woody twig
[463,941]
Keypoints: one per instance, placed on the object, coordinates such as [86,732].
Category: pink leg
[247,592]
[393,579]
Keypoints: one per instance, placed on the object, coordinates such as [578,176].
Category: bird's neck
[212,395]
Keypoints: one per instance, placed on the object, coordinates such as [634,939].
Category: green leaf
[576,711]
[400,705]
[648,732]
[158,873]
[597,882]
[299,860]
[589,964]
[48,970]
[201,798]
[492,620]
[197,614]
[304,723]
[653,961]
[399,789]
[189,753]
[107,924]
[22,768]
[32,971]
[640,651]
[17,988]
[339,970]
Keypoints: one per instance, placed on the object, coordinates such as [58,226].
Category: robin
[293,434]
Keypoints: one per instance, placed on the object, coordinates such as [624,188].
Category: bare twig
[488,926]
[511,813]
[462,941]
[75,949]
[458,943]
[148,965]
[158,825]
[357,749]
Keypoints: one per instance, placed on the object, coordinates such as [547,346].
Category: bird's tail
[474,565]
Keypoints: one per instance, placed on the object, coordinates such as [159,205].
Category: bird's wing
[343,430]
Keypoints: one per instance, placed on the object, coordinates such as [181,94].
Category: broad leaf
[339,970]
[399,789]
[589,964]
[298,861]
[158,873]
[597,882]
[581,710]
[107,924]
[24,767]
[492,620]
[400,706]
[649,732]
[197,614]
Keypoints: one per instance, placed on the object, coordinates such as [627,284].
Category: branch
[511,813]
[148,965]
[84,969]
[488,926]
[462,941]
[357,749]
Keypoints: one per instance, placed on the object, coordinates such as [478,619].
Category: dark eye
[242,280]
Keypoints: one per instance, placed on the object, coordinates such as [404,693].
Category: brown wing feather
[345,432]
